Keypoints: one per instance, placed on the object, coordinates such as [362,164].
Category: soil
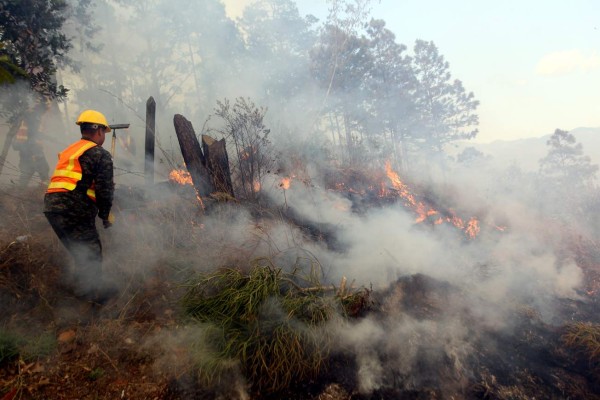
[71,348]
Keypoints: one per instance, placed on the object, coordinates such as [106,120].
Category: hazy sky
[533,64]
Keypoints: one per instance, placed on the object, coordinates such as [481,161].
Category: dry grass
[490,388]
[585,337]
[265,321]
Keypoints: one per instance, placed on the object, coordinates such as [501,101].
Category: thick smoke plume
[517,259]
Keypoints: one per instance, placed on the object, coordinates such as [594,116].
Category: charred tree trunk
[209,165]
[217,162]
[149,148]
[192,156]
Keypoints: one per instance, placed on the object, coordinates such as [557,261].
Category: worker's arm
[104,184]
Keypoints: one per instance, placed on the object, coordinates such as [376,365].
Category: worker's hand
[109,221]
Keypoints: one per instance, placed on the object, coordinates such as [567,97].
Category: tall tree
[82,27]
[340,63]
[446,111]
[209,48]
[32,47]
[150,66]
[31,39]
[567,179]
[278,42]
[391,87]
[565,164]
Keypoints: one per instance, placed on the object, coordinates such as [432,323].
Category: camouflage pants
[81,239]
[29,165]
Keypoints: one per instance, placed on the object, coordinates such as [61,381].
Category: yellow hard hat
[93,117]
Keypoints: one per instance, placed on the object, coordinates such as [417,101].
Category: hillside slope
[526,153]
[418,338]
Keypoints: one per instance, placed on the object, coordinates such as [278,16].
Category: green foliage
[96,374]
[38,346]
[29,348]
[268,321]
[565,162]
[381,101]
[470,156]
[446,112]
[275,30]
[8,70]
[9,346]
[32,40]
[374,98]
[566,184]
[391,88]
[244,127]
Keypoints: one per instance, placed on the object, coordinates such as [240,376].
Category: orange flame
[181,176]
[424,212]
[382,191]
[472,228]
[420,208]
[248,153]
[126,140]
[285,183]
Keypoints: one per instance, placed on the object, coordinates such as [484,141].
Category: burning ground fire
[180,176]
[285,183]
[425,212]
[183,177]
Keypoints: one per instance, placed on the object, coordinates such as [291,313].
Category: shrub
[267,321]
[585,337]
[9,346]
[29,348]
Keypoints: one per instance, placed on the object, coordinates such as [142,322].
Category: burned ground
[55,345]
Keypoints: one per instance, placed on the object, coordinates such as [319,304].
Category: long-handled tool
[111,217]
[114,136]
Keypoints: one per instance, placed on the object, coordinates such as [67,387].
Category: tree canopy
[32,43]
[565,163]
[374,97]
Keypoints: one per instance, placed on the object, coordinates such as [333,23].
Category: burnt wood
[149,145]
[217,163]
[192,156]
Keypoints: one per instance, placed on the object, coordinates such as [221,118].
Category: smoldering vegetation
[357,259]
[425,310]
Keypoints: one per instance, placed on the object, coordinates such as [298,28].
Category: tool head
[119,126]
[114,128]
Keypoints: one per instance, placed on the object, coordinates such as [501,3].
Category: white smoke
[495,272]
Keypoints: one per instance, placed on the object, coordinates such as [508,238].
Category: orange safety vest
[21,136]
[68,170]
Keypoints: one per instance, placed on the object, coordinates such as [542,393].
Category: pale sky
[534,65]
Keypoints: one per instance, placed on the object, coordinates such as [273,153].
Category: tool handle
[112,146]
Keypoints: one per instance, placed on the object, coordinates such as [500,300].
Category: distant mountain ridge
[526,153]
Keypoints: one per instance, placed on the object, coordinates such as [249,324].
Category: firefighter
[31,152]
[80,189]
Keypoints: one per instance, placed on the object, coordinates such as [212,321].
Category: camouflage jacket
[97,166]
